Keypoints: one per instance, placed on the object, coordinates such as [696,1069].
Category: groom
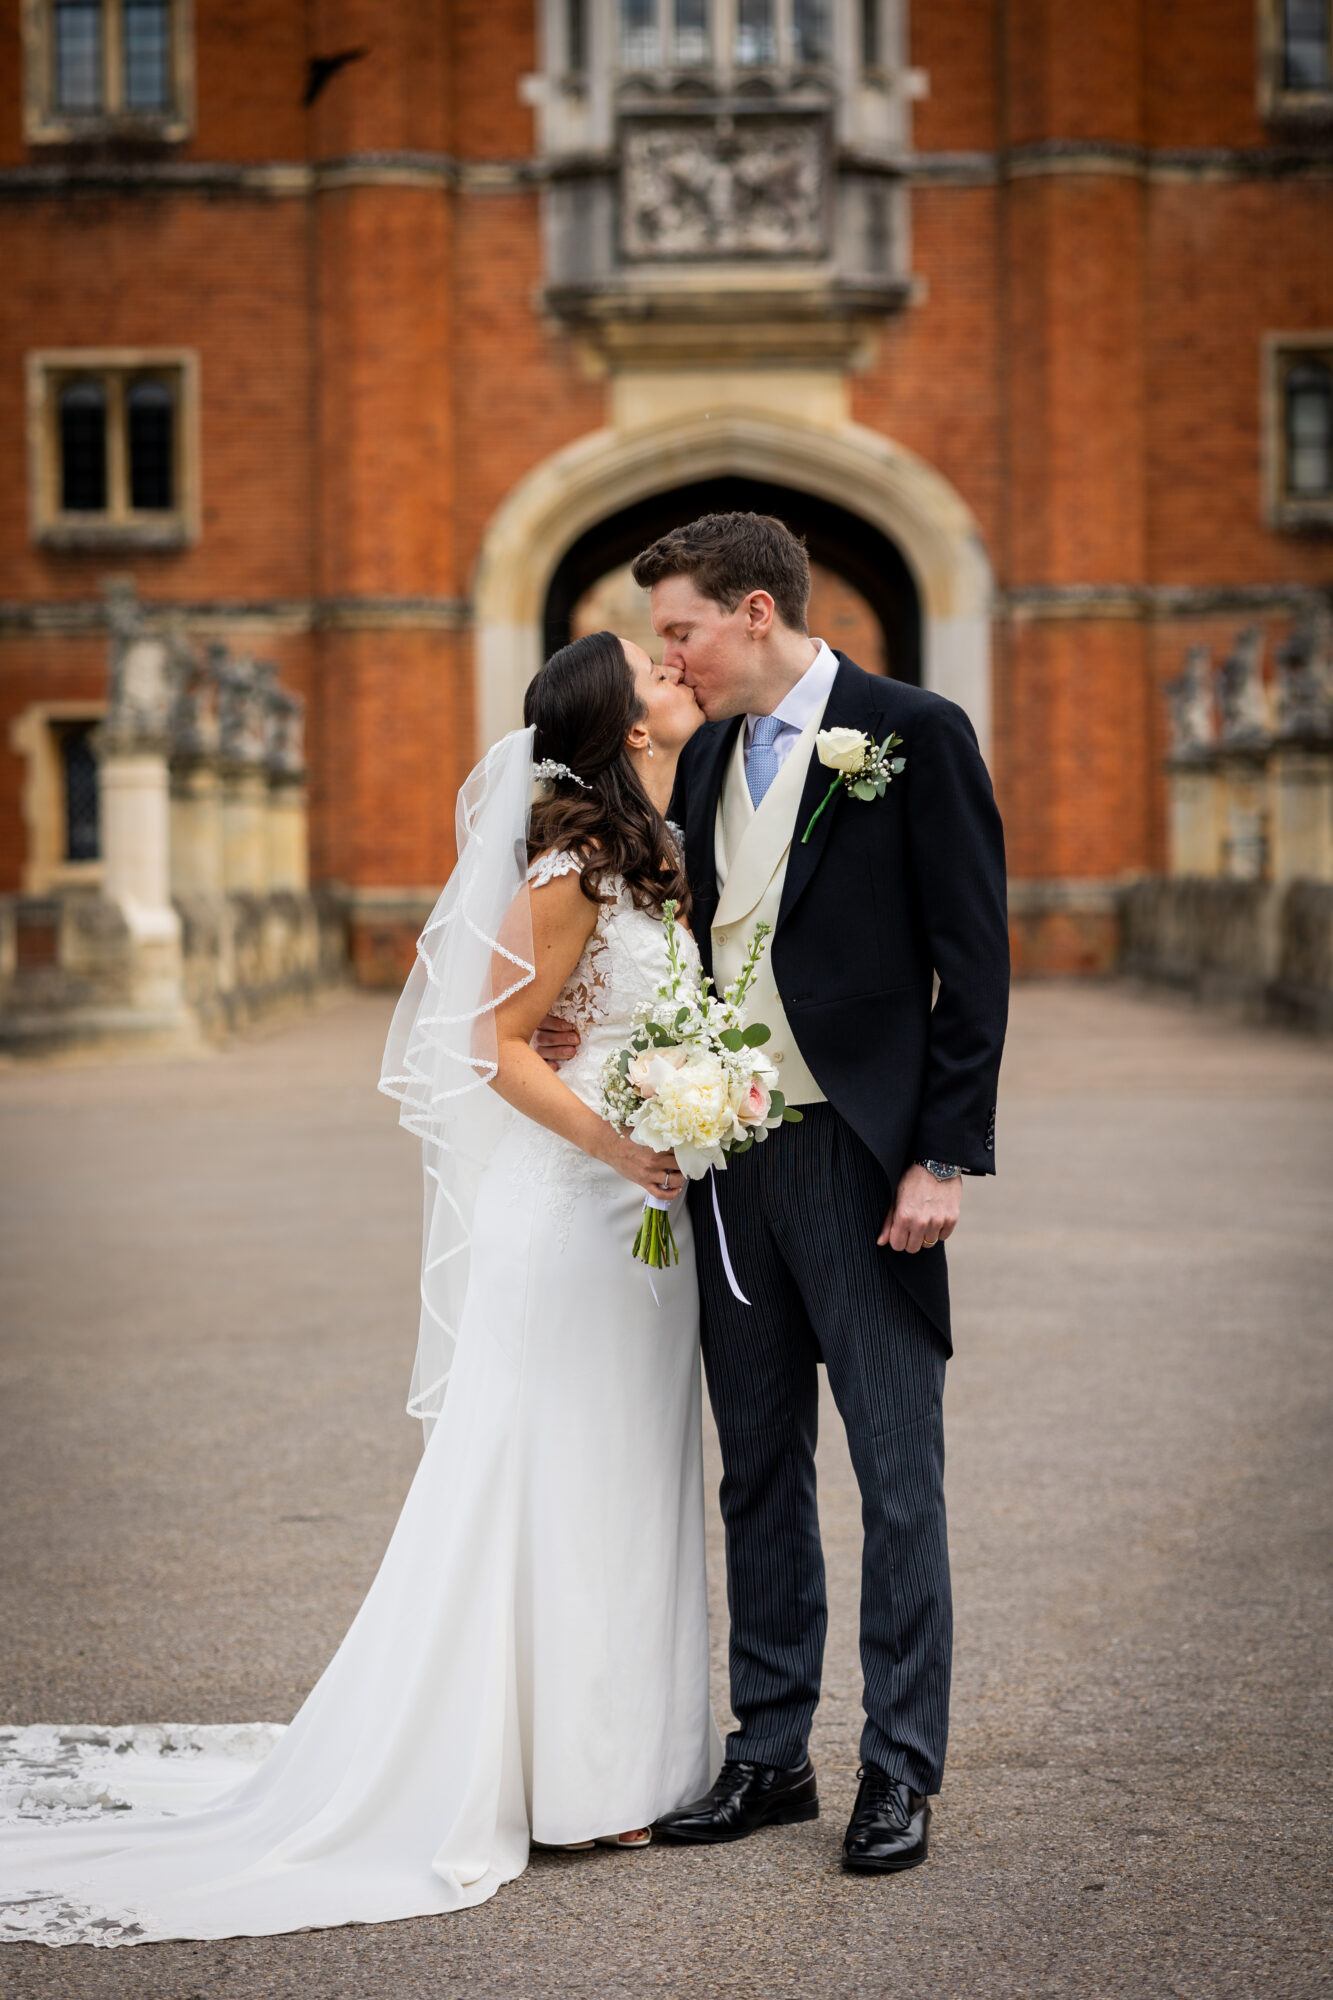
[836,1226]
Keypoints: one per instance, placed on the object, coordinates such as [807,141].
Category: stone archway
[610,470]
[837,538]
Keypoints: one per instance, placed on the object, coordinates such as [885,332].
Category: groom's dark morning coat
[886,894]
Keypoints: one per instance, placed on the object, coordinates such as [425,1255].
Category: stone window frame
[44,124]
[1278,104]
[1282,510]
[120,526]
[34,735]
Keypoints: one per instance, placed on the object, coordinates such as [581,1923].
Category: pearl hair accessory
[544,773]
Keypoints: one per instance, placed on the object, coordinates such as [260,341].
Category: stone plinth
[196,830]
[1197,817]
[1245,810]
[1301,812]
[136,828]
[245,829]
[288,842]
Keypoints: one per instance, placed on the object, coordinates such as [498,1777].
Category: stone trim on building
[283,179]
[260,616]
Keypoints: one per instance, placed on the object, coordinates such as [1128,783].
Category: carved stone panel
[698,190]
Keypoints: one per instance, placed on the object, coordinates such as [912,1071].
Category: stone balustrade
[1247,910]
[204,914]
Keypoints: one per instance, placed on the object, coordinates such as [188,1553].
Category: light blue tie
[761,766]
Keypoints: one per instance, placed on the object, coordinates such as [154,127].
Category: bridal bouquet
[693,1080]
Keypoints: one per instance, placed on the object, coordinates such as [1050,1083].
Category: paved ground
[208,1283]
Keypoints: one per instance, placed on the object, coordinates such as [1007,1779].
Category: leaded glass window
[638,34]
[147,55]
[1309,430]
[1305,45]
[756,32]
[82,820]
[150,411]
[810,25]
[870,41]
[83,448]
[77,55]
[576,36]
[690,31]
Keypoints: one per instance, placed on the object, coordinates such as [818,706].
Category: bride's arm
[562,922]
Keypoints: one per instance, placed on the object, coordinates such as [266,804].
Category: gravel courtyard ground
[207,1295]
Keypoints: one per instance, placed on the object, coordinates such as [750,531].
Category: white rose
[842,749]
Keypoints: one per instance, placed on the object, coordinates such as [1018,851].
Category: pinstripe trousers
[801,1214]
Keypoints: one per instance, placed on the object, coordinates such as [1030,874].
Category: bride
[531,1661]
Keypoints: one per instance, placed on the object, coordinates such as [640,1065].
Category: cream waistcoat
[752,848]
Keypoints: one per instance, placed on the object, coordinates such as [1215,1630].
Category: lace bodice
[623,964]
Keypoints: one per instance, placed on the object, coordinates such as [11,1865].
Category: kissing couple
[530,1664]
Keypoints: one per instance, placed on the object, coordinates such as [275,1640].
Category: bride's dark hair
[582,705]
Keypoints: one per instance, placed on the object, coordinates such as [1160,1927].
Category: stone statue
[1305,678]
[141,689]
[1244,702]
[1193,718]
[243,690]
[194,720]
[286,734]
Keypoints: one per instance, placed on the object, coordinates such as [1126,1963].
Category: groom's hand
[925,1211]
[555,1041]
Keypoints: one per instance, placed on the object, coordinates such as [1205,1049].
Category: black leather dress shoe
[744,1798]
[888,1827]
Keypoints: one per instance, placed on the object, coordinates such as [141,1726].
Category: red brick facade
[1104,231]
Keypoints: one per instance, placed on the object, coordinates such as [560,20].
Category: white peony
[842,749]
[691,1115]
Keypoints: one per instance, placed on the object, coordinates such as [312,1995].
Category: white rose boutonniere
[863,767]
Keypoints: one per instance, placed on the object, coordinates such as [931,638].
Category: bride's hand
[655,1173]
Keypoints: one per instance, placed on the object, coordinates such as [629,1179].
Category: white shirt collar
[809,695]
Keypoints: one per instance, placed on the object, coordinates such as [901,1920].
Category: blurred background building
[370,341]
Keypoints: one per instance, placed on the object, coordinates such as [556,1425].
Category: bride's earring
[650,747]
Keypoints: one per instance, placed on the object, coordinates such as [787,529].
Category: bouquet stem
[655,1243]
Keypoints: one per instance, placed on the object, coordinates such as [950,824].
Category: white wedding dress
[531,1660]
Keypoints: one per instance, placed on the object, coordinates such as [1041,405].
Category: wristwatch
[941,1171]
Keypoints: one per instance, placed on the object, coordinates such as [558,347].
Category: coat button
[722,937]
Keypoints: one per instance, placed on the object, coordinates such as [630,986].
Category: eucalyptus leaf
[777,1104]
[756,1036]
[898,764]
[863,790]
[623,1064]
[732,1038]
[791,1116]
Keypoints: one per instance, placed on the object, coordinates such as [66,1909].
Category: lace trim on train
[61,1775]
[57,1920]
[51,1772]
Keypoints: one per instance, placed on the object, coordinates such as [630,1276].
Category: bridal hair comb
[548,770]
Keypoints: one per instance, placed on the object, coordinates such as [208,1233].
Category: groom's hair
[726,556]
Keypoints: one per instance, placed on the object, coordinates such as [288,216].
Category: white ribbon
[655,1201]
[736,1291]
